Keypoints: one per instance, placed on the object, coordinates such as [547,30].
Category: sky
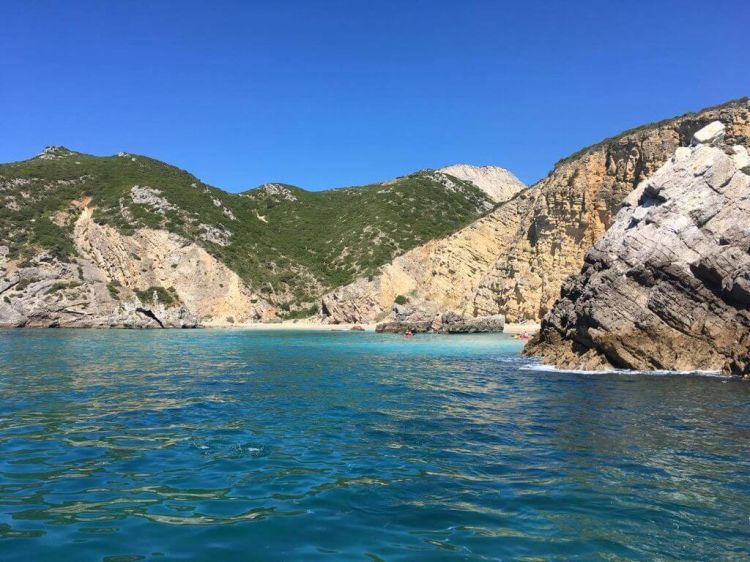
[324,93]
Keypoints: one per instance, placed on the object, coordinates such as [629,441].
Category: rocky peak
[54,153]
[668,286]
[278,191]
[498,183]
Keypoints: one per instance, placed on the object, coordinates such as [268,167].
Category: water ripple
[236,445]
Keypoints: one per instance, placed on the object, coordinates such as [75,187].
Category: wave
[653,373]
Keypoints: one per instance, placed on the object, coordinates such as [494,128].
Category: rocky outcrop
[514,260]
[668,286]
[498,183]
[576,204]
[45,292]
[148,279]
[454,324]
[425,317]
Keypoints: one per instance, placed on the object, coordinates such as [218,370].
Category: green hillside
[289,243]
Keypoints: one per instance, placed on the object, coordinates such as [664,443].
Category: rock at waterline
[668,286]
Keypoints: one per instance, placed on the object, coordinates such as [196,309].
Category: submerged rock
[668,286]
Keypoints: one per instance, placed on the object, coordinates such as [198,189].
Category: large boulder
[425,317]
[668,286]
[479,324]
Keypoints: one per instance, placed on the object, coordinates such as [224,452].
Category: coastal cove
[223,444]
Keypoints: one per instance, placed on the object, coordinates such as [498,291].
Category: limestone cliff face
[514,260]
[576,204]
[149,279]
[445,272]
[668,286]
[498,183]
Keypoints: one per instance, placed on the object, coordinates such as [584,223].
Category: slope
[514,260]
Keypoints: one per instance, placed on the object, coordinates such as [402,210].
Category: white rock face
[741,158]
[278,191]
[209,290]
[498,183]
[710,134]
[151,197]
[54,153]
[668,286]
[111,284]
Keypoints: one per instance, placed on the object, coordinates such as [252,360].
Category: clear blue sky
[332,93]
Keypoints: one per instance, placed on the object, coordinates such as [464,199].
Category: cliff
[514,260]
[668,286]
[498,183]
[151,278]
[129,241]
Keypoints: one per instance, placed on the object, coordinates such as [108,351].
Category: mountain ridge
[288,245]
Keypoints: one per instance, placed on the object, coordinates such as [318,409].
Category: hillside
[287,245]
[514,260]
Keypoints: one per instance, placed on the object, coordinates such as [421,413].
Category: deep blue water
[236,445]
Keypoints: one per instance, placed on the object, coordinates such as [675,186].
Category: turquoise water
[236,445]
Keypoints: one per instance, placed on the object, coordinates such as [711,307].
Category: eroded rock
[150,279]
[668,286]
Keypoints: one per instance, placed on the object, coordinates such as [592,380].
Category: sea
[223,445]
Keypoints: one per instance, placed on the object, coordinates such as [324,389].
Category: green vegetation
[114,289]
[166,296]
[400,299]
[23,283]
[291,245]
[62,285]
[305,312]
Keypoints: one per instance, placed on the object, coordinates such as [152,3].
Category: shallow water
[242,445]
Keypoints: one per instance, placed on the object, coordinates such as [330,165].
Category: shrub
[113,289]
[60,285]
[400,299]
[167,296]
[23,283]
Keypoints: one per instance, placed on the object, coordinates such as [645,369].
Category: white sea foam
[654,373]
